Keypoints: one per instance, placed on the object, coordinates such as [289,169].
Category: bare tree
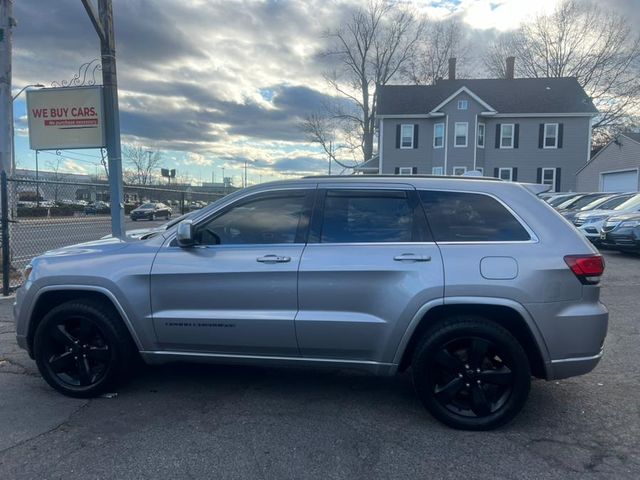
[334,139]
[439,41]
[144,164]
[371,48]
[56,175]
[596,45]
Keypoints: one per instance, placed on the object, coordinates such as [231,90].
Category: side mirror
[185,236]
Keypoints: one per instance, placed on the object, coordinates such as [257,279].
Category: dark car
[622,232]
[97,208]
[151,211]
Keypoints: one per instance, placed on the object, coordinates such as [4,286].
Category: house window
[550,135]
[549,177]
[438,135]
[406,140]
[461,131]
[506,135]
[463,104]
[481,129]
[505,174]
[459,171]
[405,171]
[437,171]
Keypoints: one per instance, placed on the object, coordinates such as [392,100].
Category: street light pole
[7,22]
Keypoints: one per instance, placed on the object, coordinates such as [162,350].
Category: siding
[611,158]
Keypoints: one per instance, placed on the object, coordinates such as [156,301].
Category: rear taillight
[588,268]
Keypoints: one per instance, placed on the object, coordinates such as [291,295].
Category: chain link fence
[38,216]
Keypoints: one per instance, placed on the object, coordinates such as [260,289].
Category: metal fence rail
[38,216]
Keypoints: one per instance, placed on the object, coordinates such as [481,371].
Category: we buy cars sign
[63,118]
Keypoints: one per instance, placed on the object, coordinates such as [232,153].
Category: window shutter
[498,135]
[514,174]
[558,183]
[397,170]
[496,172]
[516,135]
[398,136]
[414,170]
[539,174]
[415,135]
[541,136]
[560,134]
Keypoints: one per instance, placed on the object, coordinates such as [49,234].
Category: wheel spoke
[448,361]
[101,354]
[503,376]
[60,334]
[478,351]
[446,393]
[85,372]
[62,362]
[479,403]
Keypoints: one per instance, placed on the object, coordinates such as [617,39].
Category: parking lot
[186,421]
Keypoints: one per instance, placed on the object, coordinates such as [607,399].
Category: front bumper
[622,239]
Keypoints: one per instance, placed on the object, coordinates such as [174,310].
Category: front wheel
[471,373]
[82,348]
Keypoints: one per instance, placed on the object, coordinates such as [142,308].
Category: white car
[590,223]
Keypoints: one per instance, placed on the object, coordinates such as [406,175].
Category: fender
[91,288]
[495,301]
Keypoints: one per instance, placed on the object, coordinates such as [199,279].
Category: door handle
[411,257]
[273,259]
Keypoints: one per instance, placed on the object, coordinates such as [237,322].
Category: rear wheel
[82,348]
[153,216]
[471,374]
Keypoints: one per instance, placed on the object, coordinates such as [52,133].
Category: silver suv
[473,285]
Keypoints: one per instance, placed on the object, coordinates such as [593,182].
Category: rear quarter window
[470,217]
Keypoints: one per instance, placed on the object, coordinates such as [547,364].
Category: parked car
[590,223]
[151,211]
[603,203]
[448,276]
[561,198]
[97,208]
[622,232]
[580,201]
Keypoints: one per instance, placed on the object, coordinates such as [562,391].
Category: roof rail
[449,177]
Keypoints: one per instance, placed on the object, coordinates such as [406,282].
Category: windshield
[612,203]
[598,203]
[630,204]
[580,201]
[561,199]
[147,206]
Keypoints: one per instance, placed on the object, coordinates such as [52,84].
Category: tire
[153,217]
[471,374]
[134,219]
[73,367]
[168,216]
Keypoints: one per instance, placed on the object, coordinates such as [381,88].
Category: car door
[235,291]
[368,267]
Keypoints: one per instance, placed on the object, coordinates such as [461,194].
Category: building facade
[528,130]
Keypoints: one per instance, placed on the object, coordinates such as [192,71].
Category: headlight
[26,272]
[631,224]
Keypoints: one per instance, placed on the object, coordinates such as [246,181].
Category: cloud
[71,166]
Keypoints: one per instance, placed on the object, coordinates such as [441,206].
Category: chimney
[452,68]
[510,67]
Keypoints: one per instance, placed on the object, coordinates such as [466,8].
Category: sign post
[103,24]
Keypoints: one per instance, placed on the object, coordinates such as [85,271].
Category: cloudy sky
[212,83]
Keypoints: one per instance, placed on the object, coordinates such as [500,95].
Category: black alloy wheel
[82,348]
[77,352]
[471,373]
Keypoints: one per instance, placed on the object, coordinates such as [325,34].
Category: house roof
[635,136]
[631,135]
[520,95]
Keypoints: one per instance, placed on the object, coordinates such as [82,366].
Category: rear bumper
[571,367]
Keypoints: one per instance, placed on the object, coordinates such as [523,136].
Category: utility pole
[7,22]
[245,174]
[103,24]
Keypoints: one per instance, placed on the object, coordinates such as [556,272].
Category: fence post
[182,204]
[6,258]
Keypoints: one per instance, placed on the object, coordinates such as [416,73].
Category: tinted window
[470,217]
[369,217]
[260,221]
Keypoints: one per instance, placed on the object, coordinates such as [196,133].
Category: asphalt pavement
[191,421]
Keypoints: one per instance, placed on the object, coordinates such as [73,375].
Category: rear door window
[470,217]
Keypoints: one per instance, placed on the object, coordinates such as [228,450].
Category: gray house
[615,168]
[524,129]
